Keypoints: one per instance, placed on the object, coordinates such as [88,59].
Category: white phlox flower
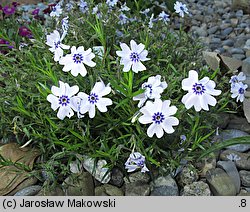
[238,90]
[153,90]
[159,114]
[164,17]
[111,3]
[63,98]
[133,57]
[151,20]
[136,161]
[123,19]
[237,78]
[54,40]
[65,27]
[124,7]
[56,11]
[97,12]
[75,61]
[95,99]
[200,92]
[145,12]
[83,6]
[180,8]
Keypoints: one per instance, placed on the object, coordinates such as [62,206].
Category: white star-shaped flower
[159,114]
[136,161]
[111,3]
[153,90]
[56,11]
[238,90]
[180,8]
[64,99]
[95,98]
[133,57]
[75,61]
[199,92]
[54,41]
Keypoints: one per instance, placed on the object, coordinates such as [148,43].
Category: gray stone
[247,45]
[108,190]
[51,191]
[116,177]
[215,40]
[246,106]
[227,31]
[239,56]
[79,185]
[137,189]
[233,133]
[220,183]
[239,13]
[246,66]
[98,170]
[244,162]
[164,186]
[243,193]
[199,188]
[212,30]
[230,168]
[237,51]
[187,176]
[228,42]
[200,31]
[245,177]
[137,177]
[239,123]
[29,191]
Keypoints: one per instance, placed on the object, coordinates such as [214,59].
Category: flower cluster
[136,161]
[238,89]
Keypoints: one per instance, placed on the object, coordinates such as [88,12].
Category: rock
[137,189]
[51,191]
[98,170]
[239,123]
[164,186]
[207,163]
[187,176]
[245,177]
[199,188]
[237,51]
[220,183]
[215,41]
[227,31]
[116,177]
[29,191]
[200,31]
[248,53]
[212,30]
[233,133]
[230,168]
[246,66]
[241,159]
[241,4]
[228,42]
[243,193]
[239,56]
[109,190]
[239,13]
[247,45]
[79,185]
[246,106]
[137,177]
[234,21]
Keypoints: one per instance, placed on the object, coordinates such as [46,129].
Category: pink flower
[25,32]
[9,10]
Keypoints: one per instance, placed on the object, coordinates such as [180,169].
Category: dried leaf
[13,175]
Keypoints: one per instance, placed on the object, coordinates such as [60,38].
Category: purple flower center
[64,100]
[149,86]
[57,44]
[241,91]
[158,117]
[93,98]
[78,58]
[198,89]
[140,163]
[182,8]
[134,57]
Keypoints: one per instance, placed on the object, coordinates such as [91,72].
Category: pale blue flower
[136,161]
[124,8]
[123,19]
[83,6]
[97,12]
[133,57]
[111,3]
[95,99]
[164,17]
[200,92]
[159,115]
[237,78]
[238,90]
[153,90]
[180,8]
[56,11]
[233,157]
[62,97]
